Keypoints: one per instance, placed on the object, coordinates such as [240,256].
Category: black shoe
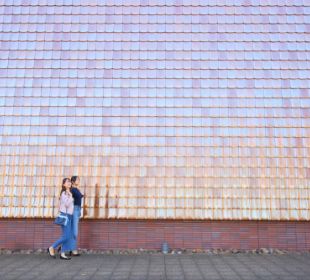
[65,258]
[75,255]
[49,252]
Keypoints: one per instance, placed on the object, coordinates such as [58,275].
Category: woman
[66,208]
[77,196]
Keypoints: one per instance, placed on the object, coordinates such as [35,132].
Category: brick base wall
[150,234]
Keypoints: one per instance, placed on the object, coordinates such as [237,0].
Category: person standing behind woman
[66,208]
[77,196]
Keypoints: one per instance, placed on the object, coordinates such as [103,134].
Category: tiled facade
[166,109]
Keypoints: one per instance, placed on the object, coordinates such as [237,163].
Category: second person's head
[75,180]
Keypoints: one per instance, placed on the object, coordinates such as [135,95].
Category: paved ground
[157,266]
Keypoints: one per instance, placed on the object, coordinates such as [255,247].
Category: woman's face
[77,181]
[67,184]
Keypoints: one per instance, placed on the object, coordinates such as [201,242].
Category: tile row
[168,37]
[138,174]
[230,99]
[87,23]
[267,213]
[90,3]
[168,68]
[129,103]
[143,92]
[40,57]
[118,28]
[163,46]
[121,143]
[126,70]
[97,180]
[166,172]
[213,113]
[162,83]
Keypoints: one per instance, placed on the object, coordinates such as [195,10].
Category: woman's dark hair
[63,188]
[74,178]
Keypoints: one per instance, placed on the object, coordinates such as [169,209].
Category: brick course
[149,234]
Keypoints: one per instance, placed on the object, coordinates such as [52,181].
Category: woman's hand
[85,213]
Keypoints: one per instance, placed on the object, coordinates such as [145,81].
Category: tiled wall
[166,109]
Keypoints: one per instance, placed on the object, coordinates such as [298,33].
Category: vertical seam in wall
[258,234]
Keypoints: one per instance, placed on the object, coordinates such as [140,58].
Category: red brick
[150,234]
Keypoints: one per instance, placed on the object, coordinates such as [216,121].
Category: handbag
[61,220]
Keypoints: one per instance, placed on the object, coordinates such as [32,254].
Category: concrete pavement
[157,266]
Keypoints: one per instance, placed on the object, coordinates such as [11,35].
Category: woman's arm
[66,199]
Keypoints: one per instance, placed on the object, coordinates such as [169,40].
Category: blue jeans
[75,226]
[64,240]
